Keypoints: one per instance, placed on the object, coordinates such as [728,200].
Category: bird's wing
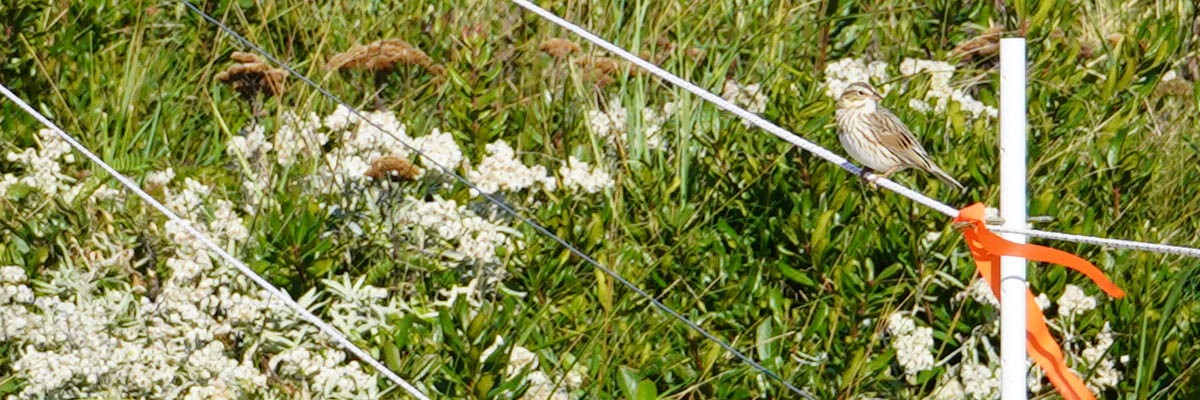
[892,133]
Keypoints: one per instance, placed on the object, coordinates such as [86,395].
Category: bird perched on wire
[876,138]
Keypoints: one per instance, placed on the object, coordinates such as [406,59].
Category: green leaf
[628,381]
[646,390]
[603,290]
[484,384]
[763,339]
[820,236]
[391,354]
[796,276]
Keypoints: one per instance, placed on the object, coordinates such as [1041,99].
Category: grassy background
[776,252]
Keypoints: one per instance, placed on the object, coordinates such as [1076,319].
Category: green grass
[775,251]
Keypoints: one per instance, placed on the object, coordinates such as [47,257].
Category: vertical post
[1013,368]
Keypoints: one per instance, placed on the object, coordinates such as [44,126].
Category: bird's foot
[870,181]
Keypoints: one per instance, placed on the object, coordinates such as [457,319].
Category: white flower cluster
[160,178]
[749,97]
[13,293]
[501,170]
[226,223]
[542,386]
[950,390]
[841,73]
[1104,373]
[980,381]
[362,143]
[940,91]
[913,344]
[975,380]
[80,345]
[844,72]
[13,290]
[1042,301]
[252,149]
[440,148]
[577,175]
[970,379]
[252,145]
[327,372]
[187,203]
[105,193]
[1075,301]
[76,340]
[355,309]
[612,124]
[298,136]
[980,291]
[42,170]
[477,237]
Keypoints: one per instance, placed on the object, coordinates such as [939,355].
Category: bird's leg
[862,174]
[884,174]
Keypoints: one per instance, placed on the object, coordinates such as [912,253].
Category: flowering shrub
[205,322]
[843,72]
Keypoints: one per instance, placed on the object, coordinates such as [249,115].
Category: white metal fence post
[1013,367]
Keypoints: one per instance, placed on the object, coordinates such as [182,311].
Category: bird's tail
[945,177]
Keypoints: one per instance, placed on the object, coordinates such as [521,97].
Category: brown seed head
[985,44]
[381,55]
[244,57]
[600,70]
[252,76]
[665,45]
[394,168]
[558,48]
[1114,38]
[1086,51]
[1174,87]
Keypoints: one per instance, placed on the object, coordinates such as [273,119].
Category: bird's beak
[876,96]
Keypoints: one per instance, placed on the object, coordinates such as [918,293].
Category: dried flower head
[662,49]
[665,45]
[986,44]
[600,70]
[381,55]
[252,76]
[1114,38]
[558,48]
[394,168]
[1174,86]
[1086,51]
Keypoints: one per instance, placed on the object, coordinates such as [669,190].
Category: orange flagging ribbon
[987,248]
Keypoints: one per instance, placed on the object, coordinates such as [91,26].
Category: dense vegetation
[786,257]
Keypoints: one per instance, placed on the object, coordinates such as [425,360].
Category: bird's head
[857,95]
